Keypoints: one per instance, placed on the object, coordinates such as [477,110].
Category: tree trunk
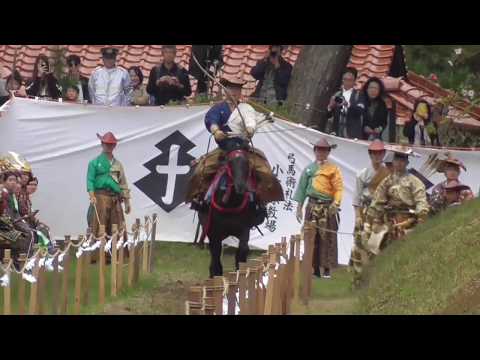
[315,78]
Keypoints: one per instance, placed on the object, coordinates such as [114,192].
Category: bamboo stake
[101,268]
[252,291]
[41,301]
[120,267]
[87,265]
[7,293]
[66,270]
[131,261]
[242,284]
[33,308]
[194,302]
[218,282]
[296,269]
[136,268]
[152,243]
[271,282]
[21,286]
[231,293]
[307,269]
[78,282]
[113,265]
[55,284]
[145,249]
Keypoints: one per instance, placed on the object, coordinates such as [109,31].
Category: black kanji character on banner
[291,182]
[291,158]
[169,172]
[291,170]
[271,225]
[288,194]
[271,212]
[288,205]
[276,170]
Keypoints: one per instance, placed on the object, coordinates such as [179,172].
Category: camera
[339,99]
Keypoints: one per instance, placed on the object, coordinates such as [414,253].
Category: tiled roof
[369,60]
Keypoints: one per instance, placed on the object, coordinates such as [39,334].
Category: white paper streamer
[5,280]
[119,245]
[79,252]
[30,264]
[41,262]
[283,260]
[29,277]
[49,264]
[108,246]
[60,258]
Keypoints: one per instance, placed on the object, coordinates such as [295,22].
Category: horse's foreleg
[243,249]
[216,268]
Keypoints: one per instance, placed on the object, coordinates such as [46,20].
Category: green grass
[435,270]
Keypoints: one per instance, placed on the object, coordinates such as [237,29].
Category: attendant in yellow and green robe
[322,183]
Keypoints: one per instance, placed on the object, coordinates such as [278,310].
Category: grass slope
[436,270]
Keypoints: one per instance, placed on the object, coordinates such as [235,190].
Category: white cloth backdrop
[59,140]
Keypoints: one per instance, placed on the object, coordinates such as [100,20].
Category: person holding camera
[168,81]
[43,83]
[273,74]
[75,78]
[343,107]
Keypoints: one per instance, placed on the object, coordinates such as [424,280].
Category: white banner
[156,147]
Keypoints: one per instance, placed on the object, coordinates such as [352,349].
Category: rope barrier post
[121,255]
[101,267]
[66,270]
[138,254]
[278,282]
[271,282]
[113,264]
[42,279]
[55,282]
[264,288]
[252,292]
[218,282]
[131,262]
[87,266]
[194,302]
[145,248]
[78,281]
[33,308]
[232,292]
[152,243]
[21,286]
[290,276]
[7,293]
[257,275]
[242,293]
[307,268]
[296,269]
[209,305]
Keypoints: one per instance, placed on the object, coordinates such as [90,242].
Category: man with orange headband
[107,187]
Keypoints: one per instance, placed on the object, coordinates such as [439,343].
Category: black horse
[231,209]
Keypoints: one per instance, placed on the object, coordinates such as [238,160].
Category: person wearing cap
[168,81]
[322,183]
[107,187]
[273,74]
[110,85]
[450,192]
[399,203]
[367,181]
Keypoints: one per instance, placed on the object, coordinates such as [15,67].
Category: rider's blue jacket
[218,115]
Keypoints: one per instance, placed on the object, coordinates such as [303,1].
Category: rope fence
[81,255]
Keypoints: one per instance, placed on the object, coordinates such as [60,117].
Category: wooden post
[296,268]
[87,265]
[242,284]
[232,292]
[136,269]
[271,283]
[259,293]
[41,306]
[218,282]
[290,276]
[120,266]
[78,282]
[55,284]
[209,305]
[21,286]
[7,299]
[252,291]
[194,302]
[66,270]
[131,261]
[114,265]
[152,244]
[145,248]
[33,308]
[101,268]
[307,269]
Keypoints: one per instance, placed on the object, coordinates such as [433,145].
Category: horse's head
[239,168]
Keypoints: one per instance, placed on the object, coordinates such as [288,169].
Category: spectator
[139,94]
[13,85]
[347,121]
[421,130]
[375,112]
[210,57]
[43,83]
[109,84]
[32,186]
[168,81]
[273,75]
[75,78]
[72,94]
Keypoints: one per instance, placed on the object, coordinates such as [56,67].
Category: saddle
[268,187]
